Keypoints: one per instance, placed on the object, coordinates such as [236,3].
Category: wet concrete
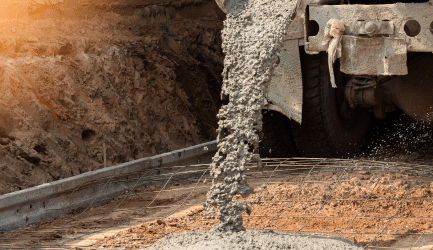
[251,39]
[251,240]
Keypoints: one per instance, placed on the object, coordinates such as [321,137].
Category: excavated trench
[76,82]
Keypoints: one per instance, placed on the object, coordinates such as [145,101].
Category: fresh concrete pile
[252,34]
[251,240]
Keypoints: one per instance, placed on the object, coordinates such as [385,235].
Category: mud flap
[285,90]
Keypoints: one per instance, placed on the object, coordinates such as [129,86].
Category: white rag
[333,34]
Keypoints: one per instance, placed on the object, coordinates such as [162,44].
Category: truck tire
[329,127]
[277,140]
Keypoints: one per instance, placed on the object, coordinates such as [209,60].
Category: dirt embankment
[140,84]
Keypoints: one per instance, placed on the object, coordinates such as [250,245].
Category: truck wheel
[277,140]
[330,128]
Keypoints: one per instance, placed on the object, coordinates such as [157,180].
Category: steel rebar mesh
[378,205]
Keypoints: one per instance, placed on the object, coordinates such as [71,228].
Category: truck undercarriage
[382,59]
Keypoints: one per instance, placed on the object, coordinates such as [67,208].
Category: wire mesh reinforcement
[377,205]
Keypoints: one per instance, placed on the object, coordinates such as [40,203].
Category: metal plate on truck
[373,56]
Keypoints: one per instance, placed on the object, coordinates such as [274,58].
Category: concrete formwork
[50,200]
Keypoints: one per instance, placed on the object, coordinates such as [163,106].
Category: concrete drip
[250,41]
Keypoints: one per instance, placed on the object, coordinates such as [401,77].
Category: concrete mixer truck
[343,62]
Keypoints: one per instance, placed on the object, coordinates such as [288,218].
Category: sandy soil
[76,80]
[309,213]
[358,203]
[87,226]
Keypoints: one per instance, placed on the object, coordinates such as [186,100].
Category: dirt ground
[324,208]
[76,81]
[359,203]
[84,227]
